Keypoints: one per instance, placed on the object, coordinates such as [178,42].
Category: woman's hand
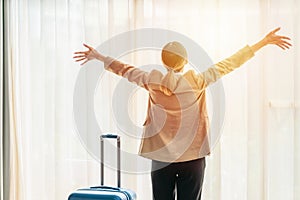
[273,38]
[88,55]
[281,41]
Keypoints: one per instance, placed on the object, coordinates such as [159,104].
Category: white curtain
[258,156]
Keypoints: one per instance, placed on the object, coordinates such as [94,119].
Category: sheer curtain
[258,154]
[48,160]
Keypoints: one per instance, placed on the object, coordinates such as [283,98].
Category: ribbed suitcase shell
[103,193]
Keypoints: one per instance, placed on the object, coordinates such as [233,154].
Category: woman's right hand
[88,55]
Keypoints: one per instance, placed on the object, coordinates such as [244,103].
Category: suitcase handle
[110,136]
[105,188]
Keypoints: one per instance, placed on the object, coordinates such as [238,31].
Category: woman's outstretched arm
[229,64]
[133,74]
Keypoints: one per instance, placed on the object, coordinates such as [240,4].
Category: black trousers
[183,179]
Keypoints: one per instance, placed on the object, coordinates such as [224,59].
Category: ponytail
[174,57]
[169,83]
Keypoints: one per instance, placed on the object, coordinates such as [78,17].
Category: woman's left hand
[272,38]
[279,40]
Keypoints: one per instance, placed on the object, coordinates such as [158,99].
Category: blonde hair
[174,57]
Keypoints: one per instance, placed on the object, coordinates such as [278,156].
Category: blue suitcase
[104,192]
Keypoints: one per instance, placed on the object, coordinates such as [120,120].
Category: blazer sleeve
[132,73]
[224,67]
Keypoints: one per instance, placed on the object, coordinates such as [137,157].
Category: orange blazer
[177,126]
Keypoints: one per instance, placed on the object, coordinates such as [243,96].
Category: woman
[175,134]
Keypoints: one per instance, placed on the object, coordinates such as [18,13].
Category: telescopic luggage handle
[110,136]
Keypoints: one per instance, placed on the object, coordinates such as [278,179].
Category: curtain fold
[13,146]
[5,108]
[1,101]
[258,155]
